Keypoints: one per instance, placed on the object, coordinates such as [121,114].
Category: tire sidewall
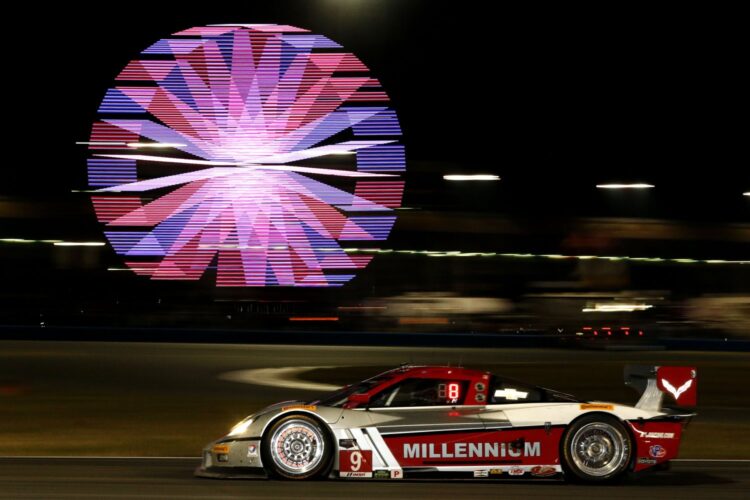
[323,467]
[568,464]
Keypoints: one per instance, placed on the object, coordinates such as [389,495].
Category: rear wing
[678,383]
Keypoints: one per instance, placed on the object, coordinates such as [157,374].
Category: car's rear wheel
[297,447]
[596,448]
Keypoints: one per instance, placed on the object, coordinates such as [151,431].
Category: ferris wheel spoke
[171,180]
[332,149]
[264,160]
[210,173]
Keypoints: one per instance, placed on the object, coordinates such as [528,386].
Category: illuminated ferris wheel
[260,151]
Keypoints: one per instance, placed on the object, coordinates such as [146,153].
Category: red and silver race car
[417,421]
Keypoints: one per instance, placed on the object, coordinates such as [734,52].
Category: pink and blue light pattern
[235,105]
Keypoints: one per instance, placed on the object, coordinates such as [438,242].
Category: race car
[421,421]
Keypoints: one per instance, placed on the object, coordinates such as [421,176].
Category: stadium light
[625,186]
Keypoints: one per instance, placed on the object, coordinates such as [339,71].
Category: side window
[421,392]
[509,392]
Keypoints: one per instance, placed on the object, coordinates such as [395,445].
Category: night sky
[554,101]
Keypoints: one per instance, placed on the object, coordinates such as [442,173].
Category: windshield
[337,398]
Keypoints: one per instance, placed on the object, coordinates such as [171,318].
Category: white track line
[111,457]
[285,377]
[710,460]
[92,457]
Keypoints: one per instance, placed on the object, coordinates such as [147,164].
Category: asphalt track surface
[171,478]
[156,399]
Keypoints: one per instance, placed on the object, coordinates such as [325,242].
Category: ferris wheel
[259,152]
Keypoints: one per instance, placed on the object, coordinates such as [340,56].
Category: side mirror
[358,400]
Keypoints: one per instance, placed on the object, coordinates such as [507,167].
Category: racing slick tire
[596,448]
[297,447]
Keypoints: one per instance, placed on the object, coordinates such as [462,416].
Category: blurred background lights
[473,177]
[625,186]
[616,307]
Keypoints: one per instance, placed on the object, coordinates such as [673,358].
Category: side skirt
[504,472]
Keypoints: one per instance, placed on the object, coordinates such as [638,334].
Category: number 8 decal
[453,391]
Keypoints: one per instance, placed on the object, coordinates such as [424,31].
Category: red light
[609,333]
[627,333]
[640,333]
[596,333]
[587,328]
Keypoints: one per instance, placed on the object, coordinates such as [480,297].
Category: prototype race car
[415,421]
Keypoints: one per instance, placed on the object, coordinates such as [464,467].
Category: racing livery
[416,421]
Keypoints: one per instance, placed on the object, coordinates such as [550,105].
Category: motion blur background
[553,102]
[538,274]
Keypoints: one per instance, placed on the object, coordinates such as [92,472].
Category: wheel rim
[598,449]
[297,447]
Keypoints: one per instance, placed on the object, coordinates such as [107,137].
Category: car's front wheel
[597,448]
[297,447]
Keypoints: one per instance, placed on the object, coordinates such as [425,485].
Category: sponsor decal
[647,461]
[355,474]
[252,450]
[482,473]
[473,450]
[397,474]
[648,432]
[381,474]
[300,407]
[543,471]
[496,472]
[511,394]
[657,451]
[480,449]
[516,471]
[659,435]
[355,463]
[597,406]
[220,448]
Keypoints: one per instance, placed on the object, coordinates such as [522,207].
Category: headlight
[241,427]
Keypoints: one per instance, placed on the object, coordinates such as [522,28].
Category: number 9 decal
[355,463]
